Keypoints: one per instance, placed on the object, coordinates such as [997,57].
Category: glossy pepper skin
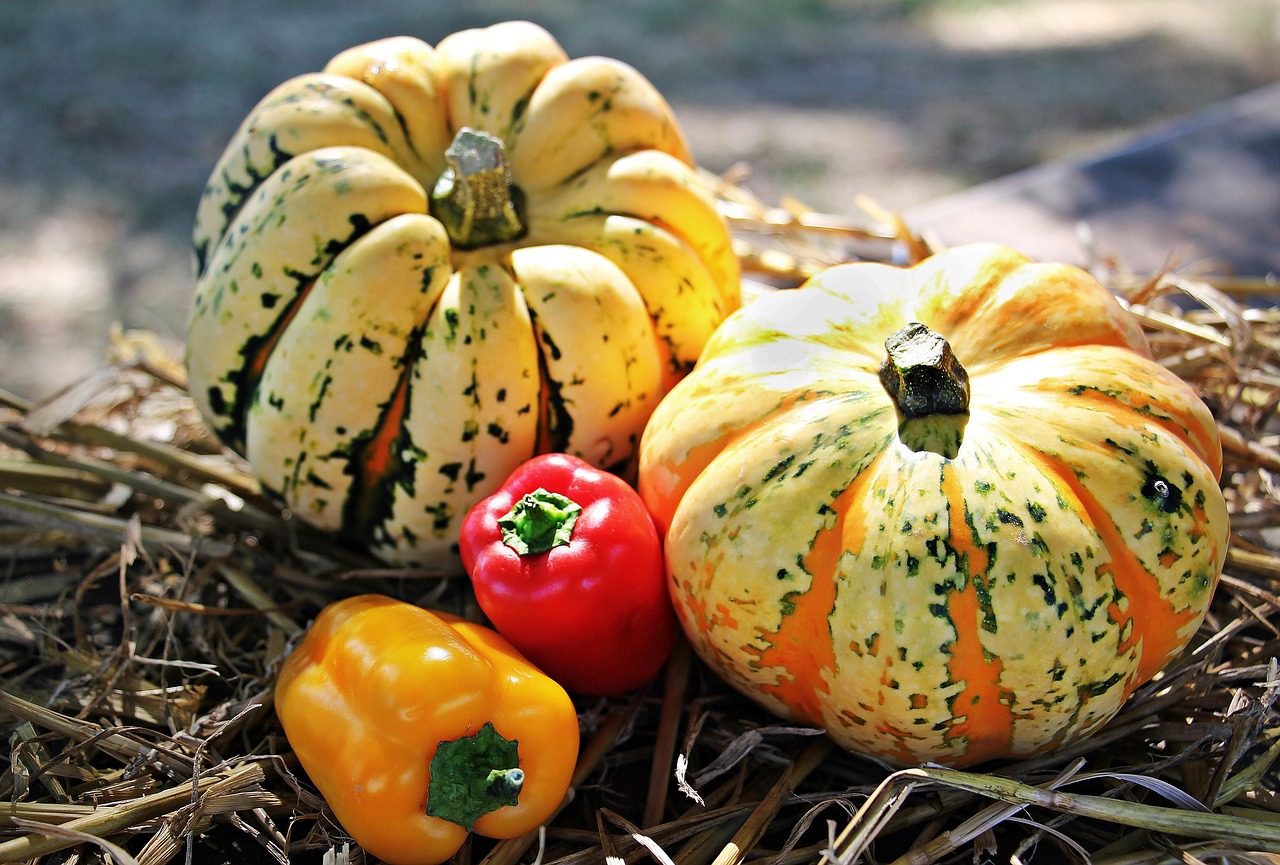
[405,720]
[578,587]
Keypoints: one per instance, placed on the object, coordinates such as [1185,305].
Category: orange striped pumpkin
[953,512]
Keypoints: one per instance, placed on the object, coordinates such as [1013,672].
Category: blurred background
[114,111]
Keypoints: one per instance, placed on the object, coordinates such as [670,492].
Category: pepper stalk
[539,521]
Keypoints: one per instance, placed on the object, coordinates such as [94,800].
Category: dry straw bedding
[149,593]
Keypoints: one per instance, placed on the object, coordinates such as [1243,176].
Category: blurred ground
[115,111]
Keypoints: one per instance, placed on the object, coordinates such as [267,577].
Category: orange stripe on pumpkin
[257,362]
[982,711]
[379,452]
[1183,425]
[1153,623]
[803,646]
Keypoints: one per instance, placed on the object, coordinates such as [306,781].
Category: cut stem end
[929,387]
[474,199]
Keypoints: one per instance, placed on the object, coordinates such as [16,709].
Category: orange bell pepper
[419,727]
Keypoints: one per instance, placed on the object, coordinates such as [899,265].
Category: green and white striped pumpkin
[422,266]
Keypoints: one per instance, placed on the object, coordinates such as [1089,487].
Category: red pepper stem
[539,521]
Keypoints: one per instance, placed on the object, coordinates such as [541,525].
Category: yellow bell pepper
[419,727]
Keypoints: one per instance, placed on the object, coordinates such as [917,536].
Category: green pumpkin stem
[474,199]
[473,776]
[539,521]
[929,387]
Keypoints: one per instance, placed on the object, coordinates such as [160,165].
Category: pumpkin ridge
[498,68]
[601,211]
[662,502]
[1181,426]
[1197,433]
[323,96]
[666,272]
[1155,399]
[257,349]
[1147,624]
[1184,428]
[1004,305]
[419,158]
[603,107]
[1000,356]
[404,72]
[803,641]
[238,195]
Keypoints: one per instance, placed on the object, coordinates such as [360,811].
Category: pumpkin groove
[256,351]
[981,713]
[377,463]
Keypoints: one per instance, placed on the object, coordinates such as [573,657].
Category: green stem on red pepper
[539,521]
[595,614]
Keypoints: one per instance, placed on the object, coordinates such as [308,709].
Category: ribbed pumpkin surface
[422,266]
[948,588]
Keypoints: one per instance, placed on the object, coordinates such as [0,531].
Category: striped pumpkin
[422,266]
[951,513]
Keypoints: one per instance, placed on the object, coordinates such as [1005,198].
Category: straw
[150,592]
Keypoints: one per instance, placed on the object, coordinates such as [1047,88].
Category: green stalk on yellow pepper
[419,727]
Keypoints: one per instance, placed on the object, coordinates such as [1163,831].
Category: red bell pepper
[567,564]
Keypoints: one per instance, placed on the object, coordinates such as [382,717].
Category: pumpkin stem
[539,521]
[929,387]
[474,198]
[922,374]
